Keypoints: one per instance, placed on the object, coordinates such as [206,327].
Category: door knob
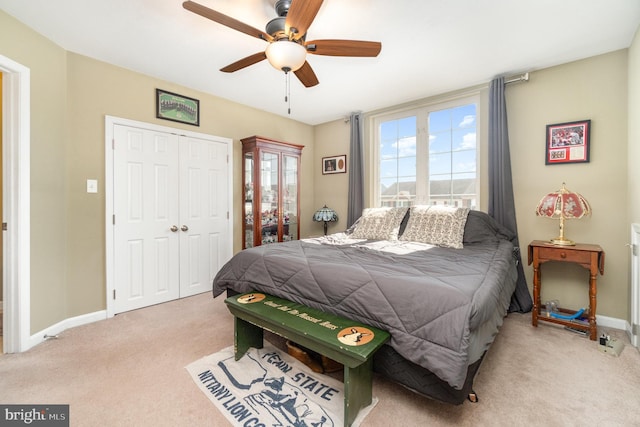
[184,228]
[174,228]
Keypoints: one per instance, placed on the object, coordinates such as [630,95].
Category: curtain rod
[521,78]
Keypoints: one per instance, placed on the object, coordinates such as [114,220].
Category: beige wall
[331,189]
[48,67]
[70,95]
[596,89]
[591,89]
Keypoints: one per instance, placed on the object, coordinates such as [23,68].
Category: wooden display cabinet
[271,190]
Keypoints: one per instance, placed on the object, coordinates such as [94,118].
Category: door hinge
[114,219]
[113,144]
[4,224]
[227,159]
[114,294]
[227,214]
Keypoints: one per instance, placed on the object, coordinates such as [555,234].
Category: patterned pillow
[379,224]
[436,225]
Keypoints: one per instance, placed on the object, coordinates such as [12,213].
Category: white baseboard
[62,326]
[611,322]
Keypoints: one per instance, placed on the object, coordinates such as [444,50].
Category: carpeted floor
[130,370]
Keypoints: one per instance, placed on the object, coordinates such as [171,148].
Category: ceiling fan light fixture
[285,55]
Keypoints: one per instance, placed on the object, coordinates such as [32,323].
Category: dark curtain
[501,201]
[356,170]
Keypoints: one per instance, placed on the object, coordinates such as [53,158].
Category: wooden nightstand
[588,256]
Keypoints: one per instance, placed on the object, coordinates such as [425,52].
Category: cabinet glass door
[248,200]
[269,173]
[290,197]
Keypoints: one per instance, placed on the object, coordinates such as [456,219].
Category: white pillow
[379,224]
[436,225]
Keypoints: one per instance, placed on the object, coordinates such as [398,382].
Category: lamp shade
[563,204]
[325,215]
[285,55]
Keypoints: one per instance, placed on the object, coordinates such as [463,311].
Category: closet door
[171,222]
[204,206]
[146,237]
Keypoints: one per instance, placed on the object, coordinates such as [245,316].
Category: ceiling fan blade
[344,48]
[306,75]
[244,62]
[225,20]
[300,16]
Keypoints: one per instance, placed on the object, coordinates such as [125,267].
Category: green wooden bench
[346,341]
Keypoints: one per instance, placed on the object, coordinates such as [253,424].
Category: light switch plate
[92,186]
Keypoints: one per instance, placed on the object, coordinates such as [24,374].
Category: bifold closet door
[171,225]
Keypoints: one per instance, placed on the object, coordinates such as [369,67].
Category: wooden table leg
[536,295]
[593,328]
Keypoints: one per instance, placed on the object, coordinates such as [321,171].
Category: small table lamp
[325,214]
[563,204]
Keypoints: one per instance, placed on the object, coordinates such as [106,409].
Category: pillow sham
[436,225]
[379,224]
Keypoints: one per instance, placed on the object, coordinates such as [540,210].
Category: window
[428,156]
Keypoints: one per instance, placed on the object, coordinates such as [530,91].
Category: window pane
[389,169]
[397,161]
[439,121]
[463,140]
[440,164]
[464,161]
[407,167]
[439,142]
[464,117]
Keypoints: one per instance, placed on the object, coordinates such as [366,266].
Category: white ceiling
[428,46]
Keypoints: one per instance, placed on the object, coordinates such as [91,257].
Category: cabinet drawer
[562,254]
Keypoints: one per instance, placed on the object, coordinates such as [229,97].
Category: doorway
[15,205]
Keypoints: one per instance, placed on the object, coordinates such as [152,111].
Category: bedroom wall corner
[596,89]
[332,139]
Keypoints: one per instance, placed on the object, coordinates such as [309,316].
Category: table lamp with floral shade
[563,204]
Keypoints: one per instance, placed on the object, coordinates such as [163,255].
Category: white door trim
[16,112]
[110,122]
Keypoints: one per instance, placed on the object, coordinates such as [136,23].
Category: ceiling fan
[286,35]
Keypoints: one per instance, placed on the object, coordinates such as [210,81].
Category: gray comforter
[430,299]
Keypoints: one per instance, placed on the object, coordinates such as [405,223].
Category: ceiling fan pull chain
[287,95]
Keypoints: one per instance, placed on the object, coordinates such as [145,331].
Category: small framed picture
[568,142]
[177,108]
[334,164]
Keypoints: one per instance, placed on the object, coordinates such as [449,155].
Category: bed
[438,279]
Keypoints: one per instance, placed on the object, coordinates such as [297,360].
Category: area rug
[268,387]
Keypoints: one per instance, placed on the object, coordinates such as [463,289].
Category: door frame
[110,122]
[16,116]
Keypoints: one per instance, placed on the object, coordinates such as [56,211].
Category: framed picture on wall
[334,164]
[177,108]
[568,142]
